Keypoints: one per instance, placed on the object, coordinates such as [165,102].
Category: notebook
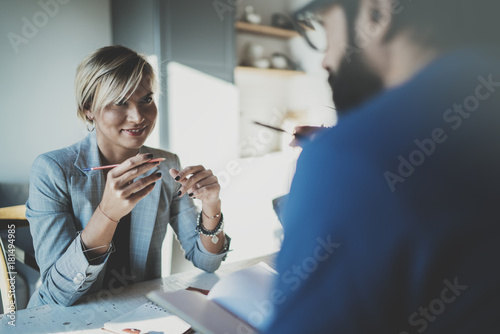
[238,303]
[148,318]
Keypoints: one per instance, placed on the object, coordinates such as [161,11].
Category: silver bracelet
[111,248]
[213,233]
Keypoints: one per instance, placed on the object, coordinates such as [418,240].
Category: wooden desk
[90,315]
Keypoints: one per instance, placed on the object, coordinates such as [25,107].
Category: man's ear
[378,16]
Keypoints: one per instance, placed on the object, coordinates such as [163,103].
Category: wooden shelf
[268,71]
[265,30]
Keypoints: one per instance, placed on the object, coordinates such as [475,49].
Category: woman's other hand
[198,182]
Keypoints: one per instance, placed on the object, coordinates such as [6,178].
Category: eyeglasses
[310,26]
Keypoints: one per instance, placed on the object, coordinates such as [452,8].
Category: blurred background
[222,65]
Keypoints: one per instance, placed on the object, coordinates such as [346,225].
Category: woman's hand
[198,182]
[121,193]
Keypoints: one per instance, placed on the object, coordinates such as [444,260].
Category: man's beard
[354,83]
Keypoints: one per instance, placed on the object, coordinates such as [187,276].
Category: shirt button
[78,279]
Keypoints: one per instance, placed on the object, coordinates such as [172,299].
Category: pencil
[113,166]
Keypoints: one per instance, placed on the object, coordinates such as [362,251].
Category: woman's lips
[135,132]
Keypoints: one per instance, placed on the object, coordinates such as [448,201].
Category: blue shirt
[393,219]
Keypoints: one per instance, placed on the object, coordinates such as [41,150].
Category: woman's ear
[89,114]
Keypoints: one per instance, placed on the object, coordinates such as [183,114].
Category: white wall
[38,110]
[203,118]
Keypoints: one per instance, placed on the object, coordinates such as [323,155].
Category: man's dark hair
[438,23]
[447,23]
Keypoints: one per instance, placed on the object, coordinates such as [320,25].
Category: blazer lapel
[143,223]
[87,188]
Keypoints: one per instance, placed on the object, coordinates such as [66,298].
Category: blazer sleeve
[65,272]
[183,219]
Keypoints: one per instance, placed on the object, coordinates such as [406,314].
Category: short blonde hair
[110,75]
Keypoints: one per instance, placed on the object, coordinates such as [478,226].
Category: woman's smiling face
[123,128]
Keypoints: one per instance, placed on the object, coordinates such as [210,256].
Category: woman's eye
[120,103]
[148,99]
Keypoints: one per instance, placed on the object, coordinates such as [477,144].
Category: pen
[276,129]
[113,166]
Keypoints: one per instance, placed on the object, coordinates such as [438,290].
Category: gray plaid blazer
[62,200]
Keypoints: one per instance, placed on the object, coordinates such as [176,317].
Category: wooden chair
[13,214]
[7,296]
[10,217]
[17,215]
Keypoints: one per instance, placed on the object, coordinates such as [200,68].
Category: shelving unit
[265,30]
[266,94]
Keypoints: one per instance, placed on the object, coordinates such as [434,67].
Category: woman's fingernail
[191,195]
[177,178]
[149,156]
[179,193]
[158,174]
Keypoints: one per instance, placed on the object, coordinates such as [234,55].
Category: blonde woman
[103,229]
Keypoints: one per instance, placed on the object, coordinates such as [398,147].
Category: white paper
[148,318]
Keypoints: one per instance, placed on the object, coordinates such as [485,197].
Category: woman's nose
[134,114]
